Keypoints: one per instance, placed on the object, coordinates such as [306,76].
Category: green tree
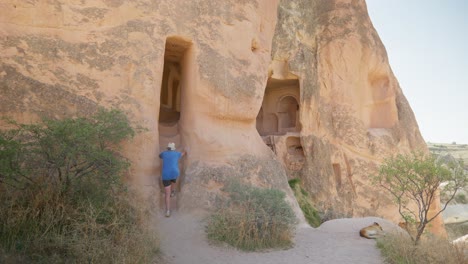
[64,152]
[415,179]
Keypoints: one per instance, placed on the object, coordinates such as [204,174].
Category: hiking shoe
[173,193]
[168,213]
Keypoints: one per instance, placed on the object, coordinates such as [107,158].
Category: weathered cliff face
[351,110]
[191,72]
[201,75]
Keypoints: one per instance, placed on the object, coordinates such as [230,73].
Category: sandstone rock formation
[256,90]
[191,72]
[351,110]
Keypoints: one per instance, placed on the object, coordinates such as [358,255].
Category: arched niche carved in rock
[279,113]
[287,111]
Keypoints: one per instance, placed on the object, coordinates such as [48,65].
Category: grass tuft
[47,227]
[398,249]
[253,219]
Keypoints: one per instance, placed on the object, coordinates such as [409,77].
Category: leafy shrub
[62,197]
[64,153]
[253,219]
[416,178]
[398,249]
[302,196]
[461,198]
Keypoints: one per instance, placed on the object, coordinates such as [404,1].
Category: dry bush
[62,199]
[400,249]
[45,227]
[253,219]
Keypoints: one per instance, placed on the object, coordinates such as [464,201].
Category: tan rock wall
[352,110]
[62,58]
[212,65]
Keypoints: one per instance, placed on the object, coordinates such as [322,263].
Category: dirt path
[183,241]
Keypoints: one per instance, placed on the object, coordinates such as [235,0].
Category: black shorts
[168,182]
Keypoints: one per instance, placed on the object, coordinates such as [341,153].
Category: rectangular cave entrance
[172,93]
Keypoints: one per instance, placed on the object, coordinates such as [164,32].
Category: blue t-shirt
[170,170]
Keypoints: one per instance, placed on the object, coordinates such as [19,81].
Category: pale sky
[427,45]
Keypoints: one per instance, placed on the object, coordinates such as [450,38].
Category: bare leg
[173,188]
[167,190]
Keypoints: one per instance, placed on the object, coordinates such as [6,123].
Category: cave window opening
[294,147]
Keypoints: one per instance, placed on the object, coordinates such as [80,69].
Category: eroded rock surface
[258,90]
[351,110]
[191,72]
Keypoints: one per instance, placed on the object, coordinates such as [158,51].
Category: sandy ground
[183,241]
